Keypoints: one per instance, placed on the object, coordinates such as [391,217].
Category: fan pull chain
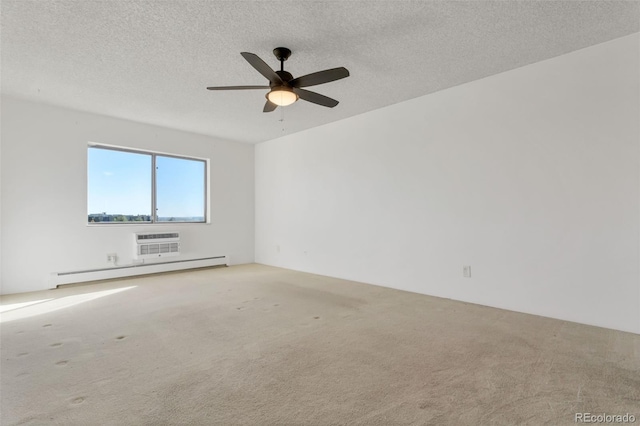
[282,117]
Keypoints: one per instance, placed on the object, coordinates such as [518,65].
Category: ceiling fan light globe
[282,97]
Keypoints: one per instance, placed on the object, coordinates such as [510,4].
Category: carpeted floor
[256,345]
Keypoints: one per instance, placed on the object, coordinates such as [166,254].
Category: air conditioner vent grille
[159,248]
[157,236]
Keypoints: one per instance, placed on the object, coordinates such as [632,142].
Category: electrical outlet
[112,257]
[466,271]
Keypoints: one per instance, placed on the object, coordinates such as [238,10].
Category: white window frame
[154,209]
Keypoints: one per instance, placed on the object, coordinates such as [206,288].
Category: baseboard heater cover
[61,278]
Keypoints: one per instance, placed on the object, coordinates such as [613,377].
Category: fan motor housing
[285,76]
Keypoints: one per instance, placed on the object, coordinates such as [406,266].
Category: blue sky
[120,183]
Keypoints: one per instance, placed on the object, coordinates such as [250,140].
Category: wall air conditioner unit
[150,245]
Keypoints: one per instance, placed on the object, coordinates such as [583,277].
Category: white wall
[0,199]
[530,176]
[44,193]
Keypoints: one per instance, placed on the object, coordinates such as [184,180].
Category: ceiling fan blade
[262,67]
[320,77]
[237,87]
[269,106]
[315,98]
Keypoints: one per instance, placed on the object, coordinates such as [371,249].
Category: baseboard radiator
[62,278]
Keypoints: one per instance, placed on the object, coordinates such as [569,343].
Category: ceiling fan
[285,89]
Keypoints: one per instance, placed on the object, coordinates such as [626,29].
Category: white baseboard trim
[71,277]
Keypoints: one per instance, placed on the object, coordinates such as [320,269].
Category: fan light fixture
[282,96]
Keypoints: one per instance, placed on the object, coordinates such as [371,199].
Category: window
[126,186]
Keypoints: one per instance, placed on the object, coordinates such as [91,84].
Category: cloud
[107,173]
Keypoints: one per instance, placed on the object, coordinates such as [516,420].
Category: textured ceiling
[150,61]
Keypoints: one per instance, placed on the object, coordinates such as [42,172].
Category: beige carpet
[256,345]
